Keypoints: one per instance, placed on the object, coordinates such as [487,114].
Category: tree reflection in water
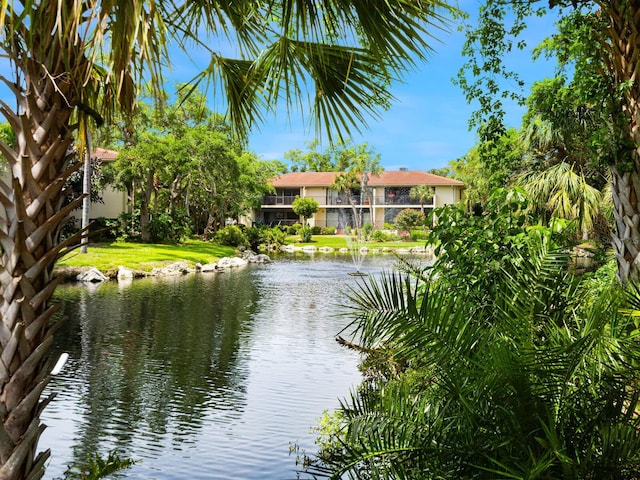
[202,376]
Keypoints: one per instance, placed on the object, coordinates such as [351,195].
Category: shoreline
[91,274]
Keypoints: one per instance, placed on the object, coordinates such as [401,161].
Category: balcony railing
[343,200]
[401,200]
[278,199]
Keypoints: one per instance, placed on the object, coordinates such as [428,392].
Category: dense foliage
[185,173]
[587,117]
[498,362]
[408,219]
[340,156]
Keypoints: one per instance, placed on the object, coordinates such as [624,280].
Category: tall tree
[563,174]
[76,62]
[312,160]
[340,156]
[470,170]
[603,51]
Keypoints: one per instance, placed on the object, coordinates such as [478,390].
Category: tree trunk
[30,239]
[145,213]
[86,187]
[622,43]
[626,241]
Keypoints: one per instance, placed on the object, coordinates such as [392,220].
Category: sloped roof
[104,154]
[385,179]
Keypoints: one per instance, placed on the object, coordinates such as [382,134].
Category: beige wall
[320,218]
[379,217]
[446,195]
[115,203]
[317,193]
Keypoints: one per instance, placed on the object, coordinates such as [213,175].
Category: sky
[427,125]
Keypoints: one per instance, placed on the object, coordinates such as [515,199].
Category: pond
[211,376]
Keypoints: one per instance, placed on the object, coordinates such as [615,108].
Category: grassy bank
[139,256]
[107,257]
[340,241]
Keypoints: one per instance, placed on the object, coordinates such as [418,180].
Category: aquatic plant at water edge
[97,467]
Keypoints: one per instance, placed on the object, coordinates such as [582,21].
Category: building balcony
[285,201]
[405,200]
[278,200]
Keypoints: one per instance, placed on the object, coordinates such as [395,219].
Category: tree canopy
[340,156]
[598,48]
[182,167]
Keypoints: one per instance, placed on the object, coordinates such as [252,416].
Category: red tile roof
[104,154]
[388,179]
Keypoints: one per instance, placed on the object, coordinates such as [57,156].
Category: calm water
[208,376]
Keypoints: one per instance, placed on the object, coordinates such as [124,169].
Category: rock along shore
[124,274]
[93,275]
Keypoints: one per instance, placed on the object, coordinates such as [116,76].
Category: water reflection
[203,376]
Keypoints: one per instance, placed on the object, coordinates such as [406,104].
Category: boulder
[208,267]
[230,262]
[92,275]
[176,268]
[253,257]
[124,273]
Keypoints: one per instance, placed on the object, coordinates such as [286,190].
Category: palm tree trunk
[626,240]
[30,239]
[623,56]
[30,232]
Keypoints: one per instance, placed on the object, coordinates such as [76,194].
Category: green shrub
[380,236]
[409,218]
[418,234]
[232,236]
[103,229]
[294,229]
[170,227]
[367,228]
[305,234]
[274,237]
[129,227]
[316,230]
[328,231]
[255,236]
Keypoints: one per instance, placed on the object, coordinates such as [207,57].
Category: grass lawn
[340,241]
[140,256]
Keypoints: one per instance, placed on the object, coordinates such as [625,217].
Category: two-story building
[378,201]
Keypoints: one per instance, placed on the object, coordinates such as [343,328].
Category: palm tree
[422,193]
[77,62]
[346,183]
[565,194]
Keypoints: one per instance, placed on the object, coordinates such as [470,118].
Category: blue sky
[428,124]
